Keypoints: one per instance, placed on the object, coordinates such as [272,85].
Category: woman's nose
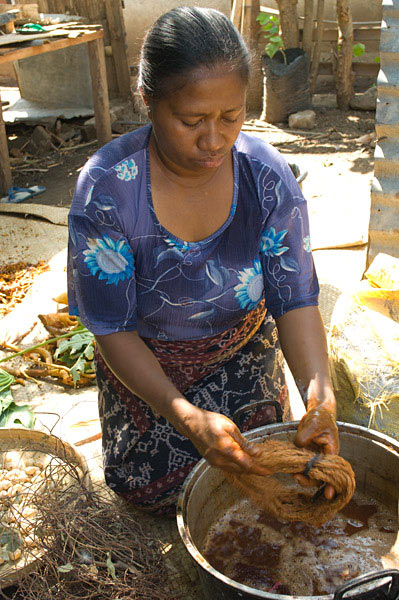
[211,140]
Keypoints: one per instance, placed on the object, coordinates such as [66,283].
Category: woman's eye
[192,125]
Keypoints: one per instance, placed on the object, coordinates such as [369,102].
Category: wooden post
[289,23]
[343,56]
[317,49]
[116,24]
[250,31]
[100,91]
[236,13]
[307,39]
[5,169]
[43,6]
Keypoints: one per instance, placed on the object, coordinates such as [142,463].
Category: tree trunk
[307,40]
[343,56]
[289,23]
[317,49]
[250,30]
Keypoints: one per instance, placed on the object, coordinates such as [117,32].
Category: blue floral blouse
[127,272]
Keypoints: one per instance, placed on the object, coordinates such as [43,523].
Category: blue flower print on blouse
[127,170]
[182,247]
[111,260]
[175,250]
[249,292]
[270,243]
[306,244]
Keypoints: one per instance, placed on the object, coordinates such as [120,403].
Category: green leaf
[89,352]
[110,566]
[75,343]
[359,49]
[77,369]
[263,18]
[77,353]
[6,399]
[17,415]
[6,380]
[276,39]
[271,49]
[377,59]
[10,538]
[66,568]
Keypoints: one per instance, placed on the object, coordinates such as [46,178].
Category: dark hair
[187,38]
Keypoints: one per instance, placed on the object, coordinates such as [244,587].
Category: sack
[364,351]
[285,85]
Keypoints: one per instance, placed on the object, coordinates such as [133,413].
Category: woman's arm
[303,341]
[215,436]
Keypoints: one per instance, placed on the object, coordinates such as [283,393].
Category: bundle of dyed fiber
[286,502]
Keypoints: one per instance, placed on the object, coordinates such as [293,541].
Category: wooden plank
[7,55]
[360,35]
[5,169]
[117,33]
[100,91]
[17,38]
[236,13]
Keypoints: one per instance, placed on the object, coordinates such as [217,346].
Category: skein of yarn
[287,502]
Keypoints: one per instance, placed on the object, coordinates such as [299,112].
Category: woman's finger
[329,492]
[250,451]
[305,481]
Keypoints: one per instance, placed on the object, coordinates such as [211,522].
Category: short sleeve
[285,249]
[101,268]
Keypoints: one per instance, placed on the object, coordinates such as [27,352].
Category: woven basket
[27,440]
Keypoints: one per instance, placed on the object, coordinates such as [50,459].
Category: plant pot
[285,85]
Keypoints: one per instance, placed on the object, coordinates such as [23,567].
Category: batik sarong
[145,459]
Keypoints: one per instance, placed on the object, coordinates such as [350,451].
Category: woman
[187,239]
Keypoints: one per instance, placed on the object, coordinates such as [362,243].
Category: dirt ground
[330,146]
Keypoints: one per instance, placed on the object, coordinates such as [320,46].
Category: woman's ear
[146,102]
[144,98]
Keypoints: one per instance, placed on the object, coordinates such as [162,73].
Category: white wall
[140,15]
[362,10]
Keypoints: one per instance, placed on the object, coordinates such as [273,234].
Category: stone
[305,119]
[41,138]
[366,100]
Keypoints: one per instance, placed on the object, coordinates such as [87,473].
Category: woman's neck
[176,175]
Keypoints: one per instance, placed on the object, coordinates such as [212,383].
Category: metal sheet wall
[384,218]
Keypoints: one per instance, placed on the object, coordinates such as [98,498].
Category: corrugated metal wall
[384,218]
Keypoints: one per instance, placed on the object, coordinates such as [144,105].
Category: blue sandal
[17,194]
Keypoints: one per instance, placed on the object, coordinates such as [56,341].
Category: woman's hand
[318,427]
[220,442]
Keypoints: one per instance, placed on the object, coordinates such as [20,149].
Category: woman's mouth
[211,162]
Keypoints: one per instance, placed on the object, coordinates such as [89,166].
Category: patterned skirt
[145,459]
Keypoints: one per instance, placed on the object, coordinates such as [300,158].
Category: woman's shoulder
[259,152]
[120,159]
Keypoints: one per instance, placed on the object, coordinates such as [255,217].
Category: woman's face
[196,125]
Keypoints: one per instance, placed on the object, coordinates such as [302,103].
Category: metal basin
[206,496]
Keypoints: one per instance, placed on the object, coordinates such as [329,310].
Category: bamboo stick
[317,48]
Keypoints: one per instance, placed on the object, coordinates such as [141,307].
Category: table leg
[100,91]
[5,169]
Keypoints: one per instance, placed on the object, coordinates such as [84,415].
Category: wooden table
[58,41]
